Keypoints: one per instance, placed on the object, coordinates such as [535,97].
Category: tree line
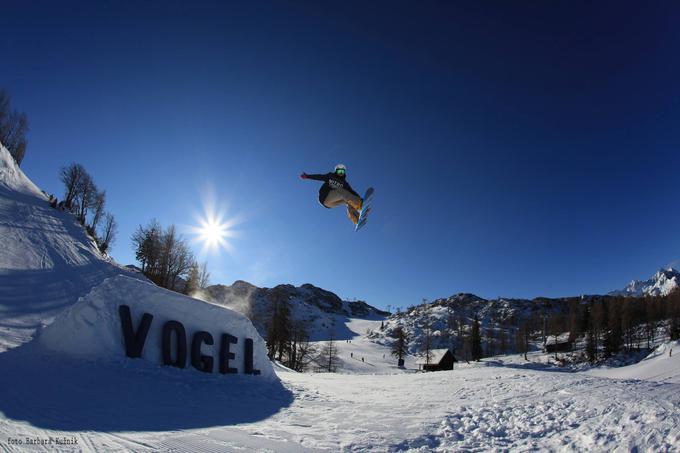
[13,128]
[599,327]
[87,202]
[167,260]
[612,324]
[594,328]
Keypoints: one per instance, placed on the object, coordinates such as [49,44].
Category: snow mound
[91,329]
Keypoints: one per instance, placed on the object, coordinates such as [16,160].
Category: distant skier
[336,191]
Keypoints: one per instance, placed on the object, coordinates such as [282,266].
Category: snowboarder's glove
[304,176]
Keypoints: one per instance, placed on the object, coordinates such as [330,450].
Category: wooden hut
[440,359]
[559,343]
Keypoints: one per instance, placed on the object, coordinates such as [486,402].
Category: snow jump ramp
[132,356]
[124,318]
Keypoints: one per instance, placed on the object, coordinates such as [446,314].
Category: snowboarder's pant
[338,197]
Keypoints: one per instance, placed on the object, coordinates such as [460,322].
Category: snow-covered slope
[33,236]
[46,260]
[662,365]
[358,354]
[660,284]
[13,178]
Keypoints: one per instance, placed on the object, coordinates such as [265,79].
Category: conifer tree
[522,339]
[613,336]
[476,340]
[400,344]
[328,358]
[591,337]
[426,341]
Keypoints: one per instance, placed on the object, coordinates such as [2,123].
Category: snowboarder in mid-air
[336,191]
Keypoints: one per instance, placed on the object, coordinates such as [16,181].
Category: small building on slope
[440,359]
[558,343]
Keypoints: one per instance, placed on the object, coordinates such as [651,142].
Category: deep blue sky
[517,149]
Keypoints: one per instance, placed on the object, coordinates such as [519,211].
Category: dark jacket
[331,181]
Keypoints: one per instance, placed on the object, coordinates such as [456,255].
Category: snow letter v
[134,342]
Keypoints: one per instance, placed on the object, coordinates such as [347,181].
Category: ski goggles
[340,171]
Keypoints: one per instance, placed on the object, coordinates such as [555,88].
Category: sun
[213,233]
[214,230]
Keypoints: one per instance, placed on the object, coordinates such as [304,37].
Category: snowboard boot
[356,205]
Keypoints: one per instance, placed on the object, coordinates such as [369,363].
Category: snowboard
[365,209]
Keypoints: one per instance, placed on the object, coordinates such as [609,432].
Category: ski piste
[365,209]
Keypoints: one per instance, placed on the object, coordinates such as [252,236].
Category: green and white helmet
[340,169]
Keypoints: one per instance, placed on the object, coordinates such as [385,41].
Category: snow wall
[94,329]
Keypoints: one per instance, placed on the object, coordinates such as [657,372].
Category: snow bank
[91,329]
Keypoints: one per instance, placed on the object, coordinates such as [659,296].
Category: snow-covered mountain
[660,284]
[323,312]
[442,316]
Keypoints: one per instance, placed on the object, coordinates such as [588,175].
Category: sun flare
[213,233]
[214,230]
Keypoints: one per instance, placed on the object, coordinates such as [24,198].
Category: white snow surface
[662,365]
[72,383]
[476,407]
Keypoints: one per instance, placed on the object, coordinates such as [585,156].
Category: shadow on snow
[131,395]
